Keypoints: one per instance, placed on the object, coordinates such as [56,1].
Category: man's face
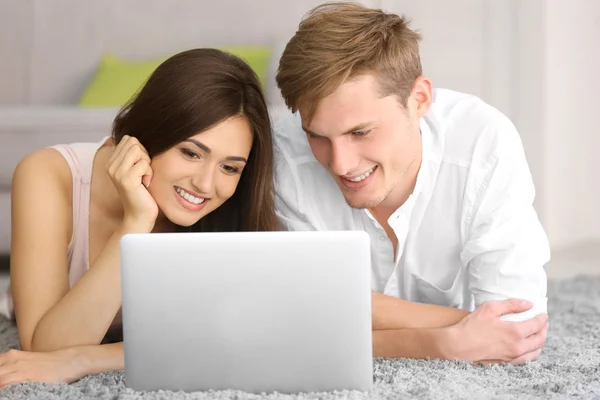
[371,145]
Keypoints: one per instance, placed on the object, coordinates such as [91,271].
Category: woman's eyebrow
[208,150]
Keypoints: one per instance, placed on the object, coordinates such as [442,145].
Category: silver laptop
[258,311]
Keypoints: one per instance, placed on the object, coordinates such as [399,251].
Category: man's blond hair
[336,42]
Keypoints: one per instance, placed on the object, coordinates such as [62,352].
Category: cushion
[117,79]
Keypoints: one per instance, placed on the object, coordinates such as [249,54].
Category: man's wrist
[447,342]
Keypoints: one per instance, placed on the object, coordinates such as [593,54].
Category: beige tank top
[80,157]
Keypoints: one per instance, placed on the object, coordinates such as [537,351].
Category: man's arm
[412,343]
[479,337]
[506,246]
[393,313]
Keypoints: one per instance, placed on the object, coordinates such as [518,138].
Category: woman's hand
[55,366]
[129,168]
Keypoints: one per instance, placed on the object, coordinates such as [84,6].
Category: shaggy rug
[568,368]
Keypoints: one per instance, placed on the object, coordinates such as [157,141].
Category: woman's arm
[96,359]
[41,220]
[52,316]
[64,365]
[49,315]
[84,314]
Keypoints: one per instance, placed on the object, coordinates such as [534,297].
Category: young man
[437,178]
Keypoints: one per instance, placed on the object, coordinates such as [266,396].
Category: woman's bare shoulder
[45,166]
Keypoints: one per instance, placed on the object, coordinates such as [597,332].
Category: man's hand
[483,337]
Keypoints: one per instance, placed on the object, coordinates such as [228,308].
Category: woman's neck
[163,225]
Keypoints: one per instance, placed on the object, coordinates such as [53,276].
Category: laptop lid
[255,311]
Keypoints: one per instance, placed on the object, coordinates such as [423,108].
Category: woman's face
[199,174]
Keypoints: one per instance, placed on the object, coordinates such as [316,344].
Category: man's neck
[384,211]
[397,197]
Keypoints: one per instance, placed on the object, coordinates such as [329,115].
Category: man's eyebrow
[305,129]
[358,127]
[208,150]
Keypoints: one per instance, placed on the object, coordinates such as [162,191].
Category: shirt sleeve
[506,247]
[287,196]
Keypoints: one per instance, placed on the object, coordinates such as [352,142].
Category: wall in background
[571,130]
[535,60]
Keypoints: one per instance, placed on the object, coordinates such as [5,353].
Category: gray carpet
[569,366]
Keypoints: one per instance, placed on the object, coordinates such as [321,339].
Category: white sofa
[23,130]
[51,49]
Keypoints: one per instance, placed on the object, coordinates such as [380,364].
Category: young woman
[191,152]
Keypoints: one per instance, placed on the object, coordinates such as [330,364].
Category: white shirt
[467,234]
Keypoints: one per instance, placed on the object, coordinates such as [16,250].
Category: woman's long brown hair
[188,94]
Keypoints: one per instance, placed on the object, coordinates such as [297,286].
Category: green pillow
[117,80]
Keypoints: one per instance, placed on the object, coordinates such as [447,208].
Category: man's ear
[421,96]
